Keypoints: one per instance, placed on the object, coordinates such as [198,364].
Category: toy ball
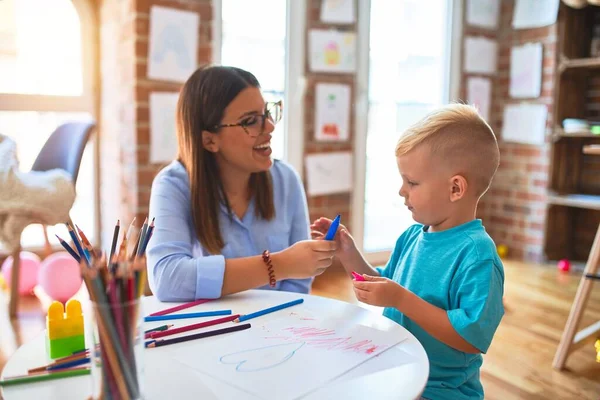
[60,276]
[502,250]
[28,271]
[564,265]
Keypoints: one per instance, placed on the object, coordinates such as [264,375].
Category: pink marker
[357,276]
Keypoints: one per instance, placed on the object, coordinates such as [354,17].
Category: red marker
[357,276]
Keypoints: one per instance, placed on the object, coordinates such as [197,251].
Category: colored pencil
[68,248]
[113,246]
[77,243]
[268,310]
[186,328]
[592,276]
[179,307]
[202,335]
[44,377]
[189,315]
[159,328]
[60,361]
[69,364]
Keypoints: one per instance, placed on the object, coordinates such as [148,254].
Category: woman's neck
[236,185]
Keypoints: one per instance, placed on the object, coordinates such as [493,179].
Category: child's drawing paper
[525,123]
[534,13]
[526,71]
[173,49]
[332,51]
[329,173]
[288,358]
[338,11]
[163,138]
[480,55]
[483,13]
[479,94]
[332,112]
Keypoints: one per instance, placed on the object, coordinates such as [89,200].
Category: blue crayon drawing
[171,39]
[262,358]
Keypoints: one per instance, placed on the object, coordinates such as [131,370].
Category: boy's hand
[378,291]
[345,241]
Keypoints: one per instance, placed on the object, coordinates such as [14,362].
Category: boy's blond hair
[460,139]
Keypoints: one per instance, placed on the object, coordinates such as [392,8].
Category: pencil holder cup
[117,359]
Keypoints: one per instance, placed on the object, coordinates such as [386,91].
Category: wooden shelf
[579,63]
[587,201]
[560,133]
[592,149]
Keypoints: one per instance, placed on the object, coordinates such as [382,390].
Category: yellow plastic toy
[64,332]
[502,250]
[597,350]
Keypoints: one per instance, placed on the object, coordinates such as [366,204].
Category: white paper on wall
[332,112]
[525,123]
[332,51]
[163,137]
[338,11]
[328,173]
[534,13]
[480,55]
[173,48]
[479,94]
[526,71]
[483,13]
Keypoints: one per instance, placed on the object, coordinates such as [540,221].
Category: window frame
[87,102]
[295,78]
[361,109]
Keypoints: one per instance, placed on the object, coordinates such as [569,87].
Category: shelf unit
[574,192]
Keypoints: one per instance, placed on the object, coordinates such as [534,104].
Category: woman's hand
[304,259]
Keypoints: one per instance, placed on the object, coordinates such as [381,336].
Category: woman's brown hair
[202,103]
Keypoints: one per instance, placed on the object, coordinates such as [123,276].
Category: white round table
[398,373]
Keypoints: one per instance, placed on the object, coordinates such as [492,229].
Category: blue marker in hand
[333,228]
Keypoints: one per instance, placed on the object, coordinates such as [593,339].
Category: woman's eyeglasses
[254,125]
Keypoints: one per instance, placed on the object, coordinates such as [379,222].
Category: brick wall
[127,173]
[329,205]
[514,210]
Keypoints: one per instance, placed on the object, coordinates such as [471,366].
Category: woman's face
[246,148]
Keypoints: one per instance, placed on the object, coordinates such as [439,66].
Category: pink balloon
[28,271]
[60,276]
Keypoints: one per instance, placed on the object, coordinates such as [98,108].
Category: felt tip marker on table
[358,276]
[333,228]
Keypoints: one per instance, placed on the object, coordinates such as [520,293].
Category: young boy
[444,280]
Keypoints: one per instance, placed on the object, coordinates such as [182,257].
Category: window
[254,38]
[406,80]
[46,75]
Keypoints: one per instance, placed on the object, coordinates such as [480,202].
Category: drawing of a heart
[261,358]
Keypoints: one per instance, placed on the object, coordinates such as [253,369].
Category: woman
[224,201]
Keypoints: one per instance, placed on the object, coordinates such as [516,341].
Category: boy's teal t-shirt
[457,270]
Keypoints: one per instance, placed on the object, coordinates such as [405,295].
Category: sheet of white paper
[332,51]
[332,112]
[272,362]
[329,173]
[480,55]
[526,71]
[534,13]
[173,49]
[483,13]
[479,94]
[525,123]
[338,11]
[163,138]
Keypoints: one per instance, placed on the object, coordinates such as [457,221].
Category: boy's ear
[458,187]
[210,141]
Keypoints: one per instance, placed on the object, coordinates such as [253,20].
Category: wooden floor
[518,365]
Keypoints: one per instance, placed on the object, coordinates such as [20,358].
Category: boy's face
[426,187]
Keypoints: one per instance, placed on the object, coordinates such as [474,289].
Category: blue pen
[333,228]
[188,315]
[69,364]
